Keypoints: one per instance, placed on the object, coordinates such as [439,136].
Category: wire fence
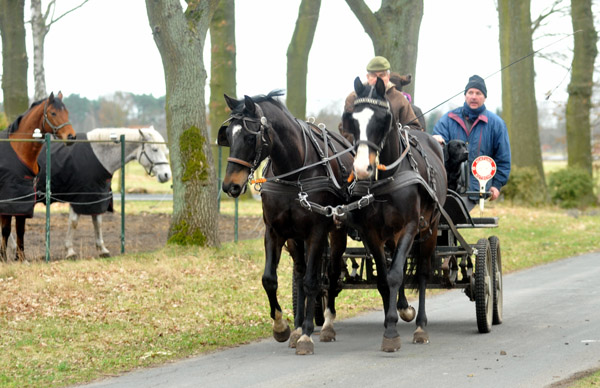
[48,196]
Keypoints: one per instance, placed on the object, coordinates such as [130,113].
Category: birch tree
[40,26]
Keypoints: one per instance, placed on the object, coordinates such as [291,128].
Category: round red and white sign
[484,168]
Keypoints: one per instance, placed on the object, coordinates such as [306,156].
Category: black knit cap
[478,83]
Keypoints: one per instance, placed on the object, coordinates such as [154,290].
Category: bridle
[262,140]
[149,169]
[55,128]
[382,103]
[378,147]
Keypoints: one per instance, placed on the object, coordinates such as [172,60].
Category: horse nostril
[72,137]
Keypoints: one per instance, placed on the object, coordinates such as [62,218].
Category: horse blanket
[78,177]
[17,182]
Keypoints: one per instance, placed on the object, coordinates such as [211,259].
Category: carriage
[476,268]
[388,189]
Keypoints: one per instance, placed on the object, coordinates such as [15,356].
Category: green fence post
[122,194]
[48,193]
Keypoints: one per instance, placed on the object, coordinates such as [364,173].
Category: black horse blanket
[17,182]
[78,177]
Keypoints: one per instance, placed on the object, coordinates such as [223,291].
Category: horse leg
[71,226]
[273,245]
[5,220]
[97,221]
[20,227]
[406,311]
[427,253]
[315,247]
[395,278]
[338,243]
[297,249]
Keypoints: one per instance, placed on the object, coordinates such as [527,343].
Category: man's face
[474,98]
[384,75]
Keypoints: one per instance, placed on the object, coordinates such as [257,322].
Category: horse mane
[131,134]
[270,97]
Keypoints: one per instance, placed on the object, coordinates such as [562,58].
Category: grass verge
[69,322]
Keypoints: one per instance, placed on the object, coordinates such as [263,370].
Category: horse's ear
[250,106]
[346,126]
[51,97]
[142,134]
[59,95]
[358,85]
[380,87]
[231,102]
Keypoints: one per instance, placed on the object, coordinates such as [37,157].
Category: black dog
[455,153]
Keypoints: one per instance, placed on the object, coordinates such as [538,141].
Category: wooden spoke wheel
[497,271]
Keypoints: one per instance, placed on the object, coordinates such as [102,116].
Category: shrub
[570,188]
[525,187]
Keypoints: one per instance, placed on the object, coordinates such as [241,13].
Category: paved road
[551,330]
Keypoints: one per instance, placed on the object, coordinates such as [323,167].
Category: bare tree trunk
[38,32]
[222,70]
[519,108]
[180,38]
[297,56]
[14,58]
[579,145]
[394,30]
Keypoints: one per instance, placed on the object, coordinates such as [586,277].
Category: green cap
[378,64]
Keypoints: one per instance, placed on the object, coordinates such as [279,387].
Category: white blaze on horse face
[235,132]
[361,161]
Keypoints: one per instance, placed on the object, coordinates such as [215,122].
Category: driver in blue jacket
[483,131]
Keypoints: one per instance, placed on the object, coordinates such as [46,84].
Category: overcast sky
[107,46]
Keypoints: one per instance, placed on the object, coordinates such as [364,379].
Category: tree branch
[366,18]
[52,21]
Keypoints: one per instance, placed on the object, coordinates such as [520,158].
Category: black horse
[409,191]
[303,181]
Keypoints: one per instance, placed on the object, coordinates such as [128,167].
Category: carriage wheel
[484,285]
[497,270]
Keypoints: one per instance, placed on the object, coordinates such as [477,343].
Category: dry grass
[67,322]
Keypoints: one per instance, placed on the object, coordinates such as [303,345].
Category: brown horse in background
[48,116]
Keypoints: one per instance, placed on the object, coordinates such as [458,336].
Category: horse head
[246,133]
[56,118]
[368,126]
[153,155]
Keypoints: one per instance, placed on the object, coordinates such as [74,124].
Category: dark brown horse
[304,180]
[19,167]
[407,177]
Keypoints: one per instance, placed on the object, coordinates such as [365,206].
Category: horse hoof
[407,314]
[105,255]
[296,334]
[71,257]
[420,336]
[283,335]
[327,334]
[390,344]
[305,346]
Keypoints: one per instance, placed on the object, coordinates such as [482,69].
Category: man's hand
[440,140]
[495,193]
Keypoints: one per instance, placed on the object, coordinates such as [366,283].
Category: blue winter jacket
[488,136]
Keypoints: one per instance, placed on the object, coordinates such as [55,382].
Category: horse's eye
[154,149]
[53,113]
